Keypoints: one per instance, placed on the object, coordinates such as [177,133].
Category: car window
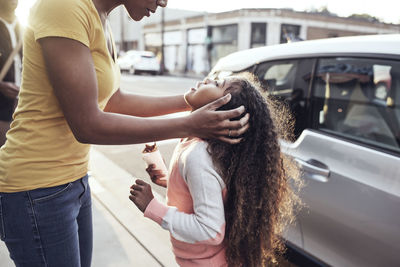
[278,77]
[359,100]
[288,81]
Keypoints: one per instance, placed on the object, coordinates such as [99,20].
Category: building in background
[128,34]
[194,41]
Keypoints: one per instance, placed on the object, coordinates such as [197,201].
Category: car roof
[388,44]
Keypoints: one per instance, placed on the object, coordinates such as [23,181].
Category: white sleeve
[207,224]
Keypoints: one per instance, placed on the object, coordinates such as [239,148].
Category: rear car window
[358,98]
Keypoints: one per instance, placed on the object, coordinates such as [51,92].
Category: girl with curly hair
[227,204]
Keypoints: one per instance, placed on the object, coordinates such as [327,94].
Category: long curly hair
[260,202]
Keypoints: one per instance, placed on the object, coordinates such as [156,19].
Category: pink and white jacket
[195,213]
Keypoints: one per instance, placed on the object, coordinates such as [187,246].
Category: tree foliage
[364,16]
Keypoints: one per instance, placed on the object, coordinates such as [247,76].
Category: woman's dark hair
[260,202]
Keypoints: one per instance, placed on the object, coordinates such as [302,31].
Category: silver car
[345,96]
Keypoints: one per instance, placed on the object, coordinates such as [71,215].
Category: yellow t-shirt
[41,150]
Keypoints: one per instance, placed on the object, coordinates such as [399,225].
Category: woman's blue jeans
[48,226]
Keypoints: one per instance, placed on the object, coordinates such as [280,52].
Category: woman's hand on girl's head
[141,194]
[157,176]
[208,123]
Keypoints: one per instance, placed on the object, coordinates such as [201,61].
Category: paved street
[156,85]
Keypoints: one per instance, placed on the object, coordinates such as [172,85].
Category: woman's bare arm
[145,106]
[72,74]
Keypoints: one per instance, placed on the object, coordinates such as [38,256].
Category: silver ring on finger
[229,133]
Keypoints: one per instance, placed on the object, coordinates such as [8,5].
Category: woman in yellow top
[70,98]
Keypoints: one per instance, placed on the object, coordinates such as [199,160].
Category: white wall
[244,34]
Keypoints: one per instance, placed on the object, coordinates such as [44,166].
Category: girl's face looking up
[206,92]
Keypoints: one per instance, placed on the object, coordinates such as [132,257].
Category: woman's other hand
[206,122]
[141,194]
[9,90]
[157,176]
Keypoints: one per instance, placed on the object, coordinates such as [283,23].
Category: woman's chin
[136,17]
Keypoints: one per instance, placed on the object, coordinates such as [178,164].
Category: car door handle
[314,169]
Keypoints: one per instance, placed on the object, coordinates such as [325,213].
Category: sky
[386,10]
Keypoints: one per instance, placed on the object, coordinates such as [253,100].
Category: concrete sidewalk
[122,236]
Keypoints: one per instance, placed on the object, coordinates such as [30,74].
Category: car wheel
[132,70]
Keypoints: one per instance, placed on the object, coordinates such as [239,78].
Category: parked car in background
[345,96]
[136,62]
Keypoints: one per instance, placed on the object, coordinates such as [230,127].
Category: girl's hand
[157,176]
[205,122]
[141,194]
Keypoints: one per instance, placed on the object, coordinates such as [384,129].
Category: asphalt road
[156,85]
[128,157]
